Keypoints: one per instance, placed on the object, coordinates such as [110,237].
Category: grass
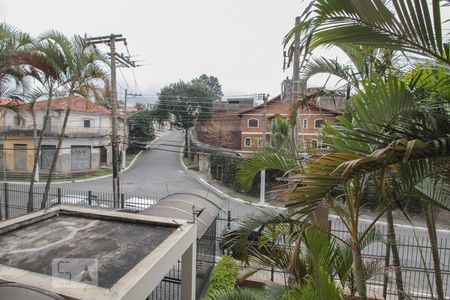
[130,157]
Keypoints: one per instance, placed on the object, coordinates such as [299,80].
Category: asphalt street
[156,173]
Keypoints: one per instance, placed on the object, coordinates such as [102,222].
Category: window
[253,123]
[86,123]
[260,143]
[247,142]
[305,123]
[319,123]
[314,144]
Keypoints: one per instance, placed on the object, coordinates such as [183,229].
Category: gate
[47,154]
[80,157]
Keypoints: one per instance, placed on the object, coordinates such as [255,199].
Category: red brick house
[243,130]
[251,125]
[311,118]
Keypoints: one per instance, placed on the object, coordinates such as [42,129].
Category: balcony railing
[56,130]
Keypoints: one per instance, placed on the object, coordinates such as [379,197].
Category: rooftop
[79,104]
[125,247]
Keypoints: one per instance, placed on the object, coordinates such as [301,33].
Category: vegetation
[183,103]
[392,142]
[223,276]
[141,130]
[211,82]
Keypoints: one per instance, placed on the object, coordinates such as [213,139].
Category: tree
[184,103]
[82,74]
[212,83]
[141,129]
[408,26]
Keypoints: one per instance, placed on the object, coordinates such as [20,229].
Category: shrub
[223,276]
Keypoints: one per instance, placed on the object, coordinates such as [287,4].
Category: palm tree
[81,74]
[16,53]
[408,27]
[301,249]
[49,87]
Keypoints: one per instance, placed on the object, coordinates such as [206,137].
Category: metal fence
[14,199]
[415,257]
[414,249]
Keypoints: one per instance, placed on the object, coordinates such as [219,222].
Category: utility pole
[295,85]
[111,40]
[125,129]
[262,191]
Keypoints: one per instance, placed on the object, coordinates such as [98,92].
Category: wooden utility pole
[111,40]
[125,129]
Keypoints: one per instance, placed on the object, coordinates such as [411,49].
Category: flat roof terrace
[129,253]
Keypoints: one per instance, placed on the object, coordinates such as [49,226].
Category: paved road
[156,173]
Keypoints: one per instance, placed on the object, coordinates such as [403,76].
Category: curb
[90,179]
[217,191]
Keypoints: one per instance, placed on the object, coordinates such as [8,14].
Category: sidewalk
[223,190]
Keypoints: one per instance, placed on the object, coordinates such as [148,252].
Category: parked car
[138,203]
[77,200]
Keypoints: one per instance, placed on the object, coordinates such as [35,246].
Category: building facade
[86,144]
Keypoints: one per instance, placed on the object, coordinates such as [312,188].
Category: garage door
[81,157]
[47,153]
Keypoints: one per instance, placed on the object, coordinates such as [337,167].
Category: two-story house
[310,119]
[252,123]
[86,143]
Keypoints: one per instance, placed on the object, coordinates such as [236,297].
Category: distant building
[86,144]
[235,103]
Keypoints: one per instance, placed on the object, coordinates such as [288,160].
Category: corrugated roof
[179,206]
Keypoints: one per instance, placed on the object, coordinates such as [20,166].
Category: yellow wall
[9,152]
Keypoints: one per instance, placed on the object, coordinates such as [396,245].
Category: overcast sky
[239,41]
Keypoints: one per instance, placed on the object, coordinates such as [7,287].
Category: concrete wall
[203,163]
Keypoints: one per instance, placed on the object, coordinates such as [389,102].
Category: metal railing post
[59,195]
[122,201]
[6,201]
[386,270]
[90,197]
[229,220]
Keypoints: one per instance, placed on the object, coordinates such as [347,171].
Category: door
[20,157]
[103,156]
[81,157]
[47,154]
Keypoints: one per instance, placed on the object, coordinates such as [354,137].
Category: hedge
[223,276]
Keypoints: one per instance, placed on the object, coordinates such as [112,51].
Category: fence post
[59,195]
[6,201]
[90,197]
[229,220]
[272,271]
[386,270]
[122,201]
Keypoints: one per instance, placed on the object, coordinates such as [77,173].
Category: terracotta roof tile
[79,104]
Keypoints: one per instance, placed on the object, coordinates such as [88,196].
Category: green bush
[223,276]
